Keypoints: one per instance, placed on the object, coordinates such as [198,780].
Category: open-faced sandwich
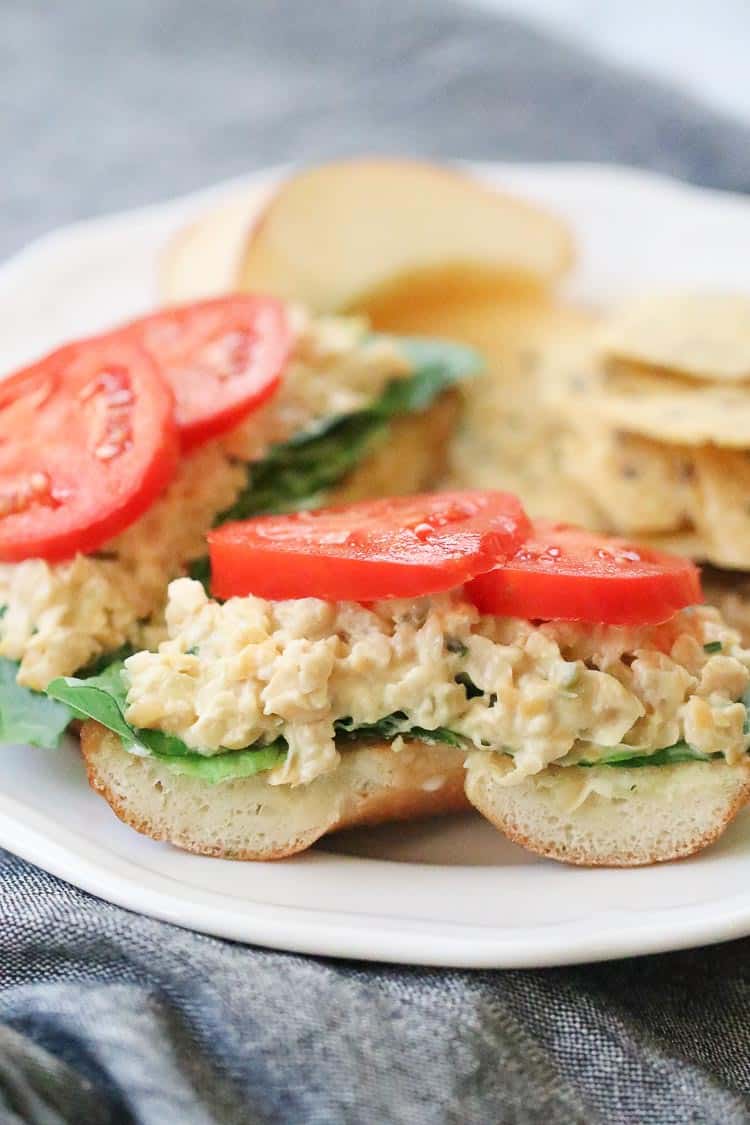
[118,453]
[354,661]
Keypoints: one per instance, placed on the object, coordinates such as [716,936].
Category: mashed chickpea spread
[58,617]
[249,671]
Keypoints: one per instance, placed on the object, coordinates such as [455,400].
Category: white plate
[441,893]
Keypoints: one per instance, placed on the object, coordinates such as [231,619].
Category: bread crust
[672,812]
[373,784]
[669,812]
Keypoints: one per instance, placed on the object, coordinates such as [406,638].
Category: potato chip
[700,335]
[651,405]
[546,491]
[668,409]
[639,485]
[722,510]
[718,510]
[692,500]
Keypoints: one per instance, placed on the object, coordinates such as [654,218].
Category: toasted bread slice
[250,819]
[656,813]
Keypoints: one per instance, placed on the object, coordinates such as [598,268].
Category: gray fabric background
[108,1017]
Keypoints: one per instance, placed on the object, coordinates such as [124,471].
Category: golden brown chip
[722,510]
[669,410]
[701,335]
[639,485]
[694,501]
[663,407]
[713,501]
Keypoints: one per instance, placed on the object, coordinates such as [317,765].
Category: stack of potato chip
[655,411]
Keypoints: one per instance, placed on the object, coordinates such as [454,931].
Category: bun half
[609,816]
[250,819]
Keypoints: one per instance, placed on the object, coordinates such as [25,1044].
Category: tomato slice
[565,573]
[87,442]
[223,357]
[396,548]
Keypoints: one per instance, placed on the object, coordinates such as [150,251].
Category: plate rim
[348,935]
[60,851]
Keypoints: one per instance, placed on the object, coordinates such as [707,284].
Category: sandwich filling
[335,400]
[252,685]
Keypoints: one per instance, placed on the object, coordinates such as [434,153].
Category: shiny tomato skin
[393,548]
[87,443]
[223,357]
[565,573]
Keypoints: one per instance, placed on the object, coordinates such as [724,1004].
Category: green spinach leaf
[28,716]
[628,757]
[104,699]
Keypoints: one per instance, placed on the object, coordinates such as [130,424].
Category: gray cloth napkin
[109,1017]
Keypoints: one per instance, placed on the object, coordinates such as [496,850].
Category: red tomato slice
[87,442]
[223,357]
[396,548]
[565,573]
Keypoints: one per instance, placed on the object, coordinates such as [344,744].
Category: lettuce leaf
[628,757]
[27,716]
[230,765]
[440,734]
[104,699]
[32,717]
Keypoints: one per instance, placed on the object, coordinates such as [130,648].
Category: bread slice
[658,813]
[250,819]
